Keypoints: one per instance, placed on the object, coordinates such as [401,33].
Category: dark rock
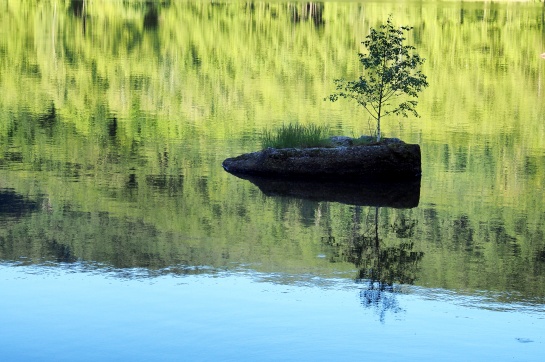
[341,141]
[393,160]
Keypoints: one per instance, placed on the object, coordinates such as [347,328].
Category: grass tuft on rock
[295,135]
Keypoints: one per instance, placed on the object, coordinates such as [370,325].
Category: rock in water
[384,161]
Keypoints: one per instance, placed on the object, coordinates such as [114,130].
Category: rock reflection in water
[403,195]
[382,267]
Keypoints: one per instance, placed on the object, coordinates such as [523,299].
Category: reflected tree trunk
[376,228]
[381,268]
[79,10]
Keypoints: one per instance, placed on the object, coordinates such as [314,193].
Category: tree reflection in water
[381,297]
[382,267]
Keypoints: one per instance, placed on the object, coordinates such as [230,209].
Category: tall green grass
[295,135]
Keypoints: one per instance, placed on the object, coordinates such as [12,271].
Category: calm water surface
[121,237]
[71,314]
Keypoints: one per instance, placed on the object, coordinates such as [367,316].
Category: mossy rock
[391,160]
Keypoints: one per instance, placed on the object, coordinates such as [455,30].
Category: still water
[121,237]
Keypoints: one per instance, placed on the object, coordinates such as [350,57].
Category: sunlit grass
[294,135]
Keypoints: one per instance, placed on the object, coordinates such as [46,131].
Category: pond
[122,238]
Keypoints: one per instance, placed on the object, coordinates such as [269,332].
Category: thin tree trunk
[379,135]
[379,111]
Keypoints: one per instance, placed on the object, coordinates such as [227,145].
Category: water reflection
[309,10]
[77,7]
[384,194]
[48,119]
[380,297]
[381,268]
[171,185]
[151,18]
[142,128]
[383,265]
[15,205]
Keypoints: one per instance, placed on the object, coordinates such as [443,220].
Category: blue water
[78,314]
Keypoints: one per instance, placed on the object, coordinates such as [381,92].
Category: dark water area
[122,236]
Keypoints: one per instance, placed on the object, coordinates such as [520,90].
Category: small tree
[390,75]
